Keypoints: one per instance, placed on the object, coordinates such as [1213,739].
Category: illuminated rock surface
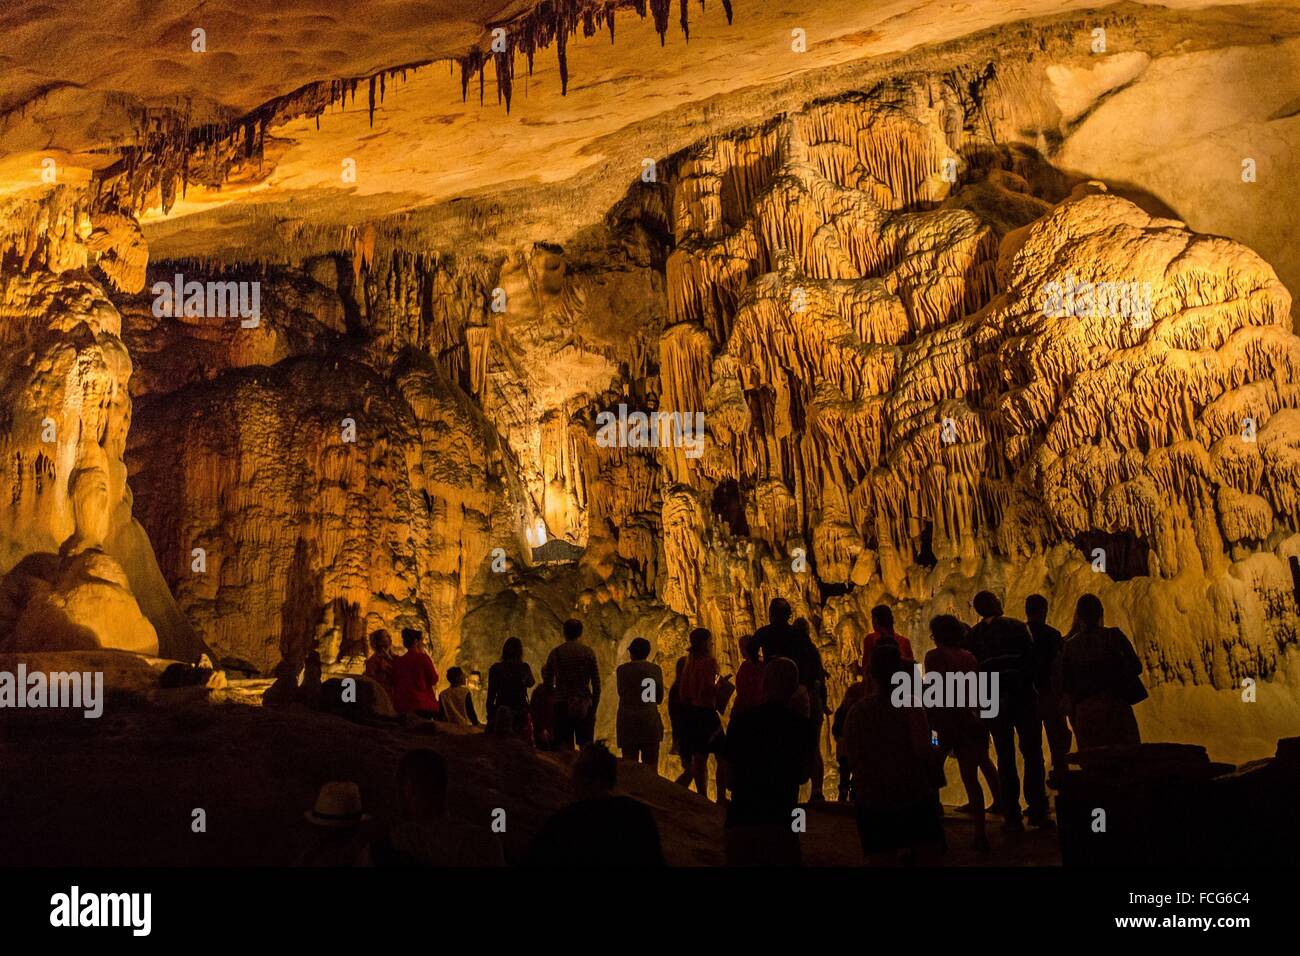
[845,262]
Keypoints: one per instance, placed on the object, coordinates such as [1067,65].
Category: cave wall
[890,414]
[884,388]
[319,468]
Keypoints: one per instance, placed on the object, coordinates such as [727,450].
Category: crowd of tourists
[761,731]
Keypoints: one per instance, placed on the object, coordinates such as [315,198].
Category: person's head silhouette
[779,611]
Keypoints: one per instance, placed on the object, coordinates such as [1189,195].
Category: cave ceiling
[302,74]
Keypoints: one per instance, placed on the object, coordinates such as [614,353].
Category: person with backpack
[572,670]
[1101,679]
[1002,646]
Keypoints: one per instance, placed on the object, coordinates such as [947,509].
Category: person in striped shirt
[572,671]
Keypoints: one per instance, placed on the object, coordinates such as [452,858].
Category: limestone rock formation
[276,493]
[1062,398]
[79,570]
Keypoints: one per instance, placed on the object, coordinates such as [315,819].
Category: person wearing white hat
[337,821]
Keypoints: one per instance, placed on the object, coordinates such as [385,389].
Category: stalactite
[660,10]
[505,68]
[562,55]
[559,21]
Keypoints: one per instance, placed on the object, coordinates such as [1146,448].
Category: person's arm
[469,710]
[595,681]
[492,691]
[529,680]
[548,669]
[430,672]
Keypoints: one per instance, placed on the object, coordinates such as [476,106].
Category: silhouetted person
[1002,646]
[457,702]
[677,723]
[424,834]
[572,670]
[283,692]
[309,688]
[1101,679]
[598,830]
[959,729]
[337,825]
[895,774]
[767,757]
[508,683]
[638,725]
[812,676]
[699,689]
[856,691]
[749,678]
[882,623]
[414,678]
[541,712]
[777,638]
[1048,645]
[379,665]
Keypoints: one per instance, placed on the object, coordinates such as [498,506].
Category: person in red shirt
[700,687]
[414,678]
[882,619]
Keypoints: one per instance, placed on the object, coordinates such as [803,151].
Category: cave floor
[123,789]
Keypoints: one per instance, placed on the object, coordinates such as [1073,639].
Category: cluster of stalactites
[555,22]
[170,151]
